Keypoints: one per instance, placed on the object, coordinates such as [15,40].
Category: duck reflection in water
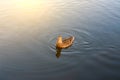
[63,44]
[58,52]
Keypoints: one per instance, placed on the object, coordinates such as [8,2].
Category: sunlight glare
[28,3]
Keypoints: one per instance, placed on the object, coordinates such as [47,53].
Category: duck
[64,43]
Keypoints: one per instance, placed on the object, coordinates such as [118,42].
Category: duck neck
[59,41]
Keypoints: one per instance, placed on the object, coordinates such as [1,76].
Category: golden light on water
[29,11]
[26,14]
[28,3]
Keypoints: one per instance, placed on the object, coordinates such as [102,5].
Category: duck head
[59,39]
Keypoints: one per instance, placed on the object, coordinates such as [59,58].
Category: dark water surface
[28,32]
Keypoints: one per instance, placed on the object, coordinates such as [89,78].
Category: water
[28,32]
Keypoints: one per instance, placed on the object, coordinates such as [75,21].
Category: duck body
[64,43]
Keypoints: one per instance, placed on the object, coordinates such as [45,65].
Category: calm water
[28,32]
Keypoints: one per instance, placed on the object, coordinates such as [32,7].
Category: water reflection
[58,52]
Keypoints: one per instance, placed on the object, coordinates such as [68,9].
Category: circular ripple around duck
[83,41]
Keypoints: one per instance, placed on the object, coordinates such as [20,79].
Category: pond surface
[28,33]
